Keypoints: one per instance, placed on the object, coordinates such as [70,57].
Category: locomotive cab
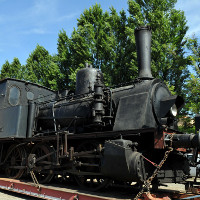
[16,98]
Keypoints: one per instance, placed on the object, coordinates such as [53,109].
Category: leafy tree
[193,94]
[13,70]
[5,70]
[103,40]
[93,41]
[106,40]
[169,29]
[41,69]
[124,60]
[193,84]
[64,59]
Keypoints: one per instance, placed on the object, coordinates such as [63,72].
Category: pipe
[143,45]
[185,140]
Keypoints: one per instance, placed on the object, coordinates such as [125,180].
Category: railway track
[57,191]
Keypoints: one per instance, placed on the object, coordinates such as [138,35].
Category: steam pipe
[143,45]
[185,140]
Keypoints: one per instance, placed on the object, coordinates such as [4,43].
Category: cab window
[14,96]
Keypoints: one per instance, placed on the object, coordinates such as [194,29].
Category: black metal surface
[197,122]
[132,114]
[53,126]
[121,162]
[73,112]
[85,79]
[186,141]
[15,108]
[13,122]
[143,44]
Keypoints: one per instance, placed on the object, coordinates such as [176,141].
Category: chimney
[143,45]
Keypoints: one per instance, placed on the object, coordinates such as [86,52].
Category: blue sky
[26,23]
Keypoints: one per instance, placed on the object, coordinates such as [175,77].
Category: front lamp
[174,110]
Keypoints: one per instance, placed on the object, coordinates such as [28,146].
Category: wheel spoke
[40,150]
[17,156]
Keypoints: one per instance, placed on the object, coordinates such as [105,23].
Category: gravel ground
[7,195]
[173,186]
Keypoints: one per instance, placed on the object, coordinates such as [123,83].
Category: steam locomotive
[97,134]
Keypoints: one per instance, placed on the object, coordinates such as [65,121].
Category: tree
[193,84]
[103,40]
[106,40]
[41,69]
[64,59]
[5,70]
[13,70]
[93,41]
[125,58]
[169,61]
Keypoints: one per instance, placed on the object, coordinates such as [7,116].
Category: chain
[147,183]
[35,180]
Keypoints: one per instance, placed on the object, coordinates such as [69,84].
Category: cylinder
[186,141]
[31,118]
[143,45]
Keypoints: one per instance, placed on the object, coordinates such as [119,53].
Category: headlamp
[174,110]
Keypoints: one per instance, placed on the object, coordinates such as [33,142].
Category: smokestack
[143,45]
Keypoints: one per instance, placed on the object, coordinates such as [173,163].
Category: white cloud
[45,8]
[39,18]
[34,31]
[191,10]
[47,11]
[67,17]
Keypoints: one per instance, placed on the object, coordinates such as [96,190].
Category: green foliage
[187,128]
[168,32]
[125,59]
[193,45]
[192,89]
[41,69]
[13,70]
[64,59]
[93,41]
[171,88]
[193,94]
[5,70]
[106,40]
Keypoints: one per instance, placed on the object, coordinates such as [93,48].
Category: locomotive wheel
[43,175]
[15,161]
[91,182]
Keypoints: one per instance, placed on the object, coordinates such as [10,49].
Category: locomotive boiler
[96,134]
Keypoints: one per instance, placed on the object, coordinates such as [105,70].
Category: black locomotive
[97,134]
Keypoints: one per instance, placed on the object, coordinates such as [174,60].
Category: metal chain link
[147,183]
[35,180]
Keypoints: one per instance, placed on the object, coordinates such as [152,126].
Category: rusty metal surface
[50,193]
[173,191]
